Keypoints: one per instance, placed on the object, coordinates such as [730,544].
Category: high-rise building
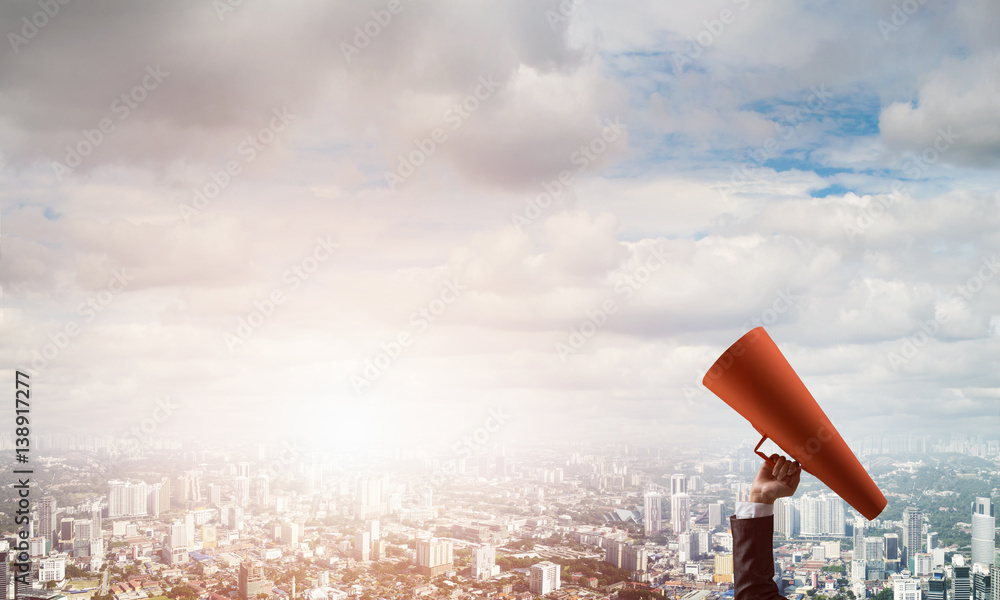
[995,577]
[892,553]
[687,547]
[544,578]
[923,564]
[363,546]
[373,529]
[434,556]
[678,484]
[4,576]
[651,521]
[613,554]
[983,531]
[127,499]
[932,540]
[787,518]
[484,562]
[961,582]
[860,526]
[262,490]
[290,533]
[680,512]
[821,516]
[981,582]
[937,587]
[47,518]
[251,580]
[635,558]
[214,494]
[912,540]
[66,534]
[874,548]
[242,485]
[717,514]
[905,587]
[368,500]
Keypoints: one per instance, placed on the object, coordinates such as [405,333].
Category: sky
[398,222]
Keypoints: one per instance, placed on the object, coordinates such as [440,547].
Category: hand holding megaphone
[777,478]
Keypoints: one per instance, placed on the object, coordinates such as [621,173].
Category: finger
[778,461]
[783,471]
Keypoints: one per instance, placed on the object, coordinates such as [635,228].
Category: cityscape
[114,519]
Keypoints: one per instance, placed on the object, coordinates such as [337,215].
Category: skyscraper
[860,525]
[678,484]
[912,540]
[243,491]
[717,514]
[937,588]
[251,580]
[983,531]
[363,546]
[961,582]
[434,556]
[651,521]
[47,518]
[484,562]
[544,578]
[4,576]
[787,518]
[680,512]
[905,587]
[981,582]
[892,552]
[262,490]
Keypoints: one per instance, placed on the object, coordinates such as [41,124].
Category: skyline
[389,228]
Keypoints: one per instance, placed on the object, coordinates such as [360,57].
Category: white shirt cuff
[752,510]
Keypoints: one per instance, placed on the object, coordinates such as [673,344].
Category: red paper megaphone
[754,378]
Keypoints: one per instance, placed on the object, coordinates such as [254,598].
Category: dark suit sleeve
[753,559]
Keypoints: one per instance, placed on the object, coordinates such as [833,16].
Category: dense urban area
[112,518]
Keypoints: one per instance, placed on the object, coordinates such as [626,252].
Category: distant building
[981,580]
[680,512]
[651,521]
[4,575]
[544,578]
[724,566]
[961,582]
[983,531]
[290,533]
[905,587]
[47,518]
[912,540]
[434,556]
[787,519]
[484,564]
[363,546]
[678,484]
[687,547]
[717,514]
[937,586]
[251,580]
